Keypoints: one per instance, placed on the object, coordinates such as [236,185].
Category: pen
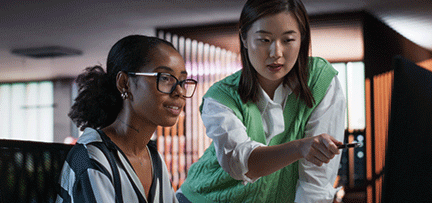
[349,145]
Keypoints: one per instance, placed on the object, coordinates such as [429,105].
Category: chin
[275,78]
[169,122]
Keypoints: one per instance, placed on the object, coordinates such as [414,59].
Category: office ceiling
[94,26]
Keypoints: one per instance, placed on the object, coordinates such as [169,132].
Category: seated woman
[114,160]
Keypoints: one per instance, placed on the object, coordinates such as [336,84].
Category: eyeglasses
[167,83]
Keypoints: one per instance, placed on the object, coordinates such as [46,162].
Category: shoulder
[88,153]
[89,135]
[318,60]
[318,65]
[225,91]
[230,82]
[321,73]
[320,70]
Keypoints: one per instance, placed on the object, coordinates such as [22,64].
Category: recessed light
[47,52]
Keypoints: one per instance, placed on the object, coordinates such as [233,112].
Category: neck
[129,134]
[269,86]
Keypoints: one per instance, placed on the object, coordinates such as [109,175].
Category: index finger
[335,141]
[331,144]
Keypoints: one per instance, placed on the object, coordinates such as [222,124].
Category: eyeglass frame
[178,82]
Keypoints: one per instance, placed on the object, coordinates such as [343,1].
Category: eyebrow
[267,32]
[169,69]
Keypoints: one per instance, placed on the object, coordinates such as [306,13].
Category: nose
[179,90]
[276,49]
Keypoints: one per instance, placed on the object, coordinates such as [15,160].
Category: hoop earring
[124,95]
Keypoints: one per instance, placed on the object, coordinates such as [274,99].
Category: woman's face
[150,105]
[273,44]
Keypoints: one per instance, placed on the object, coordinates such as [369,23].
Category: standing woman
[114,160]
[275,124]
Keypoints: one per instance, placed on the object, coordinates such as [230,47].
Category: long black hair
[254,10]
[99,102]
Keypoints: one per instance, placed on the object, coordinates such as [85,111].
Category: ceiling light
[47,52]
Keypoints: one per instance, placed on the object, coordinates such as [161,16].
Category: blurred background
[45,44]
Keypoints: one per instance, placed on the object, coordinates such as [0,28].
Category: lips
[274,67]
[174,109]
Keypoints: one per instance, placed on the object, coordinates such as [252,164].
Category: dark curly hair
[99,102]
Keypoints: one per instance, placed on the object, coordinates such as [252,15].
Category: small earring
[124,95]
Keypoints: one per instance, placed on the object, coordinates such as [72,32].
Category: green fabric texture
[208,182]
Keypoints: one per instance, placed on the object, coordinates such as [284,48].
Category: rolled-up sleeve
[315,183]
[232,144]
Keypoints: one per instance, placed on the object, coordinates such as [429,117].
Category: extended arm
[266,160]
[245,159]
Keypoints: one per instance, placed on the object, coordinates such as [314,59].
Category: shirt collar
[281,93]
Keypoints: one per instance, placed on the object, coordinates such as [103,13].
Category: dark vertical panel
[408,174]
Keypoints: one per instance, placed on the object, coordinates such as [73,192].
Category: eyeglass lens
[167,83]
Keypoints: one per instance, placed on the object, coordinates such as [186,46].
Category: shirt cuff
[307,192]
[246,179]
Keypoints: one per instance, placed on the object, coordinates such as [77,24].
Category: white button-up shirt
[233,146]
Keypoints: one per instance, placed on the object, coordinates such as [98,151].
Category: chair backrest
[30,170]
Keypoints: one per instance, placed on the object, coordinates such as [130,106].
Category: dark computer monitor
[408,161]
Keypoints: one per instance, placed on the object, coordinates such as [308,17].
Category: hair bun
[97,96]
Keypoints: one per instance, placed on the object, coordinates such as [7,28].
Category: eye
[289,40]
[164,78]
[264,40]
[167,79]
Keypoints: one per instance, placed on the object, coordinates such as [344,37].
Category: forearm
[319,149]
[268,159]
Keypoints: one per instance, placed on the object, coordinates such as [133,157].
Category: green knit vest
[208,182]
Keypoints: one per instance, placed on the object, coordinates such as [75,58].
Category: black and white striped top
[96,168]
